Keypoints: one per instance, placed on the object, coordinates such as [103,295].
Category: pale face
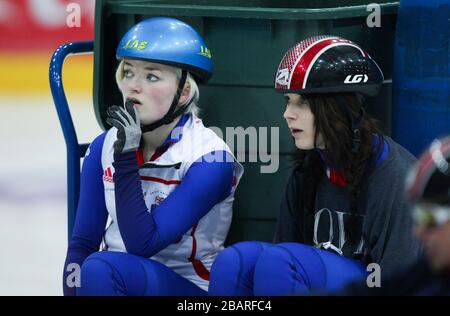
[300,121]
[436,242]
[151,86]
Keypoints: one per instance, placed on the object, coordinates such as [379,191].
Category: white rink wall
[33,190]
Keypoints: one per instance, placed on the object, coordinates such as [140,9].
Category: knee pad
[111,273]
[232,271]
[288,268]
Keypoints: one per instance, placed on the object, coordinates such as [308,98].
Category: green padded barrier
[247,40]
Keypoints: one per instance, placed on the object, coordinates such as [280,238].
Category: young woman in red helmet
[344,205]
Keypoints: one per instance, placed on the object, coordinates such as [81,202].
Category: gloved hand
[128,127]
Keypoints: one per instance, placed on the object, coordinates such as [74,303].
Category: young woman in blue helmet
[344,206]
[158,187]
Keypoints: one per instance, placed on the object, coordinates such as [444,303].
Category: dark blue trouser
[109,273]
[258,268]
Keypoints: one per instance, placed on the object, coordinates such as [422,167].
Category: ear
[185,93]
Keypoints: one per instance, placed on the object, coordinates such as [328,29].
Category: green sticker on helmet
[204,51]
[136,44]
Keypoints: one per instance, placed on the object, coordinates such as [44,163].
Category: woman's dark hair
[334,126]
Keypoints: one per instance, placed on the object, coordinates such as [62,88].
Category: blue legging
[110,273]
[264,269]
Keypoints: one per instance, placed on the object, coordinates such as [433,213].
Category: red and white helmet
[429,180]
[327,64]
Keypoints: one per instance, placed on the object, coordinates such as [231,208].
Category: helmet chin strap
[354,125]
[171,115]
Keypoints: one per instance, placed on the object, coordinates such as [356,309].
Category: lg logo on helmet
[356,79]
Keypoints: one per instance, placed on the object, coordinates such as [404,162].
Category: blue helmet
[167,41]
